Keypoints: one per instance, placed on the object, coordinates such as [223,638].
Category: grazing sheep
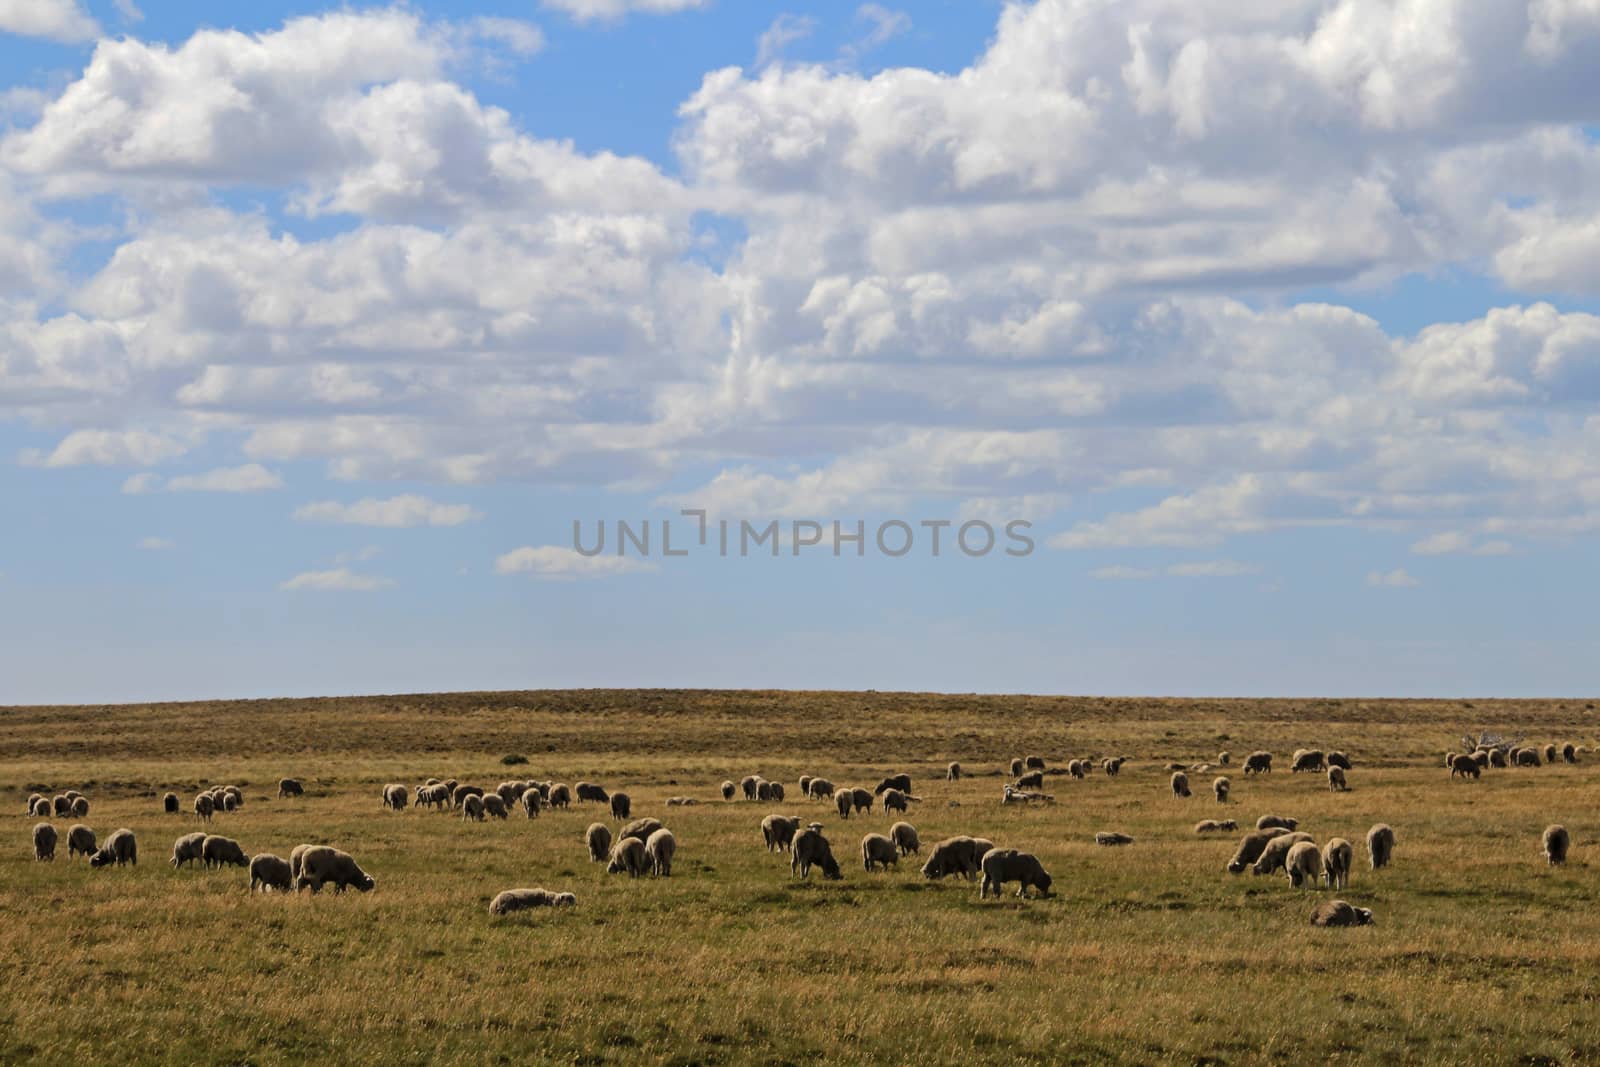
[878,849]
[1481,758]
[904,836]
[62,806]
[1556,843]
[472,808]
[805,785]
[1034,763]
[640,828]
[628,855]
[1569,752]
[1220,788]
[1180,784]
[957,855]
[750,784]
[204,806]
[810,849]
[494,805]
[845,802]
[728,790]
[1304,864]
[1002,865]
[1258,763]
[1276,854]
[821,789]
[531,803]
[861,799]
[320,864]
[1112,765]
[1339,759]
[230,802]
[33,800]
[80,807]
[1034,780]
[1336,781]
[1224,758]
[659,848]
[598,838]
[1466,767]
[952,773]
[1340,913]
[1527,757]
[1550,753]
[894,800]
[1337,858]
[119,848]
[268,871]
[1017,767]
[1112,837]
[1380,845]
[221,852]
[521,899]
[41,808]
[187,849]
[296,854]
[1307,759]
[1078,768]
[80,839]
[1497,757]
[44,842]
[777,791]
[1250,848]
[588,791]
[901,782]
[764,791]
[290,787]
[395,797]
[560,797]
[778,831]
[1215,826]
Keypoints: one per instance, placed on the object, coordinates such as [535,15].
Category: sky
[1264,333]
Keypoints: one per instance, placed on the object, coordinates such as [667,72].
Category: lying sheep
[119,848]
[598,838]
[221,852]
[1112,837]
[659,848]
[904,836]
[1267,822]
[1215,826]
[1250,848]
[395,797]
[810,849]
[290,787]
[901,782]
[1002,865]
[1340,913]
[186,849]
[1176,766]
[80,840]
[472,808]
[640,828]
[1220,788]
[728,789]
[778,831]
[1307,759]
[320,864]
[1337,859]
[1336,781]
[628,855]
[878,849]
[821,789]
[44,841]
[268,871]
[957,855]
[560,797]
[681,802]
[204,806]
[588,791]
[952,773]
[1466,767]
[1304,864]
[894,800]
[494,805]
[1556,843]
[1258,763]
[1380,845]
[1180,784]
[521,899]
[1276,854]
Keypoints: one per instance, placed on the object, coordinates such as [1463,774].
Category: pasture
[1148,953]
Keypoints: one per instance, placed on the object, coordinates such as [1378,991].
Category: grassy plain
[1147,954]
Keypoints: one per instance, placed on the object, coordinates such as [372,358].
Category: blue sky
[319,330]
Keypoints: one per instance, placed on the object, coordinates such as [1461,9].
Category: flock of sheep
[644,846]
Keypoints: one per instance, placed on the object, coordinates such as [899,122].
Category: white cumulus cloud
[556,562]
[341,579]
[406,510]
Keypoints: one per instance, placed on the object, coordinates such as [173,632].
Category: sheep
[1569,752]
[1380,845]
[1556,843]
[1016,767]
[955,855]
[640,828]
[750,785]
[1215,826]
[222,851]
[1276,854]
[1336,782]
[821,789]
[290,787]
[681,802]
[659,848]
[1304,864]
[728,790]
[472,809]
[1481,758]
[494,805]
[1550,754]
[844,802]
[1340,913]
[33,799]
[320,864]
[1180,784]
[901,782]
[1113,837]
[778,831]
[1034,763]
[1497,757]
[80,839]
[1527,757]
[1175,766]
[80,807]
[878,849]
[44,841]
[62,806]
[1338,857]
[1258,763]
[1034,780]
[1307,759]
[1339,759]
[119,848]
[1078,768]
[1267,822]
[230,802]
[1220,788]
[764,791]
[778,792]
[952,773]
[531,803]
[810,849]
[588,791]
[186,849]
[41,808]
[439,797]
[520,899]
[1224,758]
[296,854]
[1112,765]
[395,797]
[861,799]
[904,836]
[1465,766]
[1250,848]
[598,838]
[627,855]
[204,806]
[1002,865]
[894,800]
[560,797]
[804,782]
[268,871]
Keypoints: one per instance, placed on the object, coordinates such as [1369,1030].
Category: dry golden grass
[1149,953]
